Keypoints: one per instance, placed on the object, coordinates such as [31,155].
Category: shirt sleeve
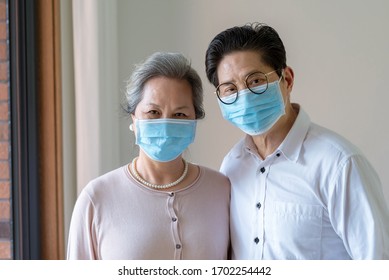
[82,233]
[358,210]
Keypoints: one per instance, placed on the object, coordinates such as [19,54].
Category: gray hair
[161,64]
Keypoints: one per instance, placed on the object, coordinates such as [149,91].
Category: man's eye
[227,89]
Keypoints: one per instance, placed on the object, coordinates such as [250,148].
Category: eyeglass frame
[247,87]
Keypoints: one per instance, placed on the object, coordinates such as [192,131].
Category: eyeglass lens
[255,82]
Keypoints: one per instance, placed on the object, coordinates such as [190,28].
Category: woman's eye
[180,115]
[152,112]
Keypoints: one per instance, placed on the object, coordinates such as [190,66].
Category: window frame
[24,129]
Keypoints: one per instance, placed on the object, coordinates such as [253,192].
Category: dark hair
[250,37]
[162,64]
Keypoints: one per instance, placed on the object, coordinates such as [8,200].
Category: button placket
[174,227]
[257,237]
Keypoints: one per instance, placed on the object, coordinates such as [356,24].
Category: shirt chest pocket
[294,230]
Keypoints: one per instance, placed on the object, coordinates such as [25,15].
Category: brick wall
[5,184]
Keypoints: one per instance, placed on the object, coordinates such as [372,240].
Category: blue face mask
[164,139]
[253,113]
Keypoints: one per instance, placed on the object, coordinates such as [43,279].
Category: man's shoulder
[237,149]
[328,139]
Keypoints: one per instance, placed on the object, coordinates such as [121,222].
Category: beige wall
[338,50]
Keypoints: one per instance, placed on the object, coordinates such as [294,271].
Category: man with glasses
[299,191]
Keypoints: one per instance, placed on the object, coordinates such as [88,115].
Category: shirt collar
[293,142]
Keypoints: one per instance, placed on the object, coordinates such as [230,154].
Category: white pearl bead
[155,186]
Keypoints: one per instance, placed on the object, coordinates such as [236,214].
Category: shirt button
[259,205]
[171,194]
[263,169]
[256,240]
[278,154]
[178,246]
[174,219]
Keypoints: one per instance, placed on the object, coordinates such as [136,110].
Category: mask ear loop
[131,126]
[282,75]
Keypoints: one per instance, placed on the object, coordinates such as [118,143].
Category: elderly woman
[159,206]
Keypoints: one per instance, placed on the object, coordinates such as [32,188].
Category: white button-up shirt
[315,197]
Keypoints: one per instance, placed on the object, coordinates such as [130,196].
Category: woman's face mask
[164,139]
[165,122]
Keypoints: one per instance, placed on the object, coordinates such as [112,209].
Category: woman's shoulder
[106,183]
[208,171]
[210,184]
[213,175]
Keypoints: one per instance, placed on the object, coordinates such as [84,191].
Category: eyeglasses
[256,82]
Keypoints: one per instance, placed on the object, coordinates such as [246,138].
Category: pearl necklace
[155,186]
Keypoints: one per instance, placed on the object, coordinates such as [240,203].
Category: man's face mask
[253,113]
